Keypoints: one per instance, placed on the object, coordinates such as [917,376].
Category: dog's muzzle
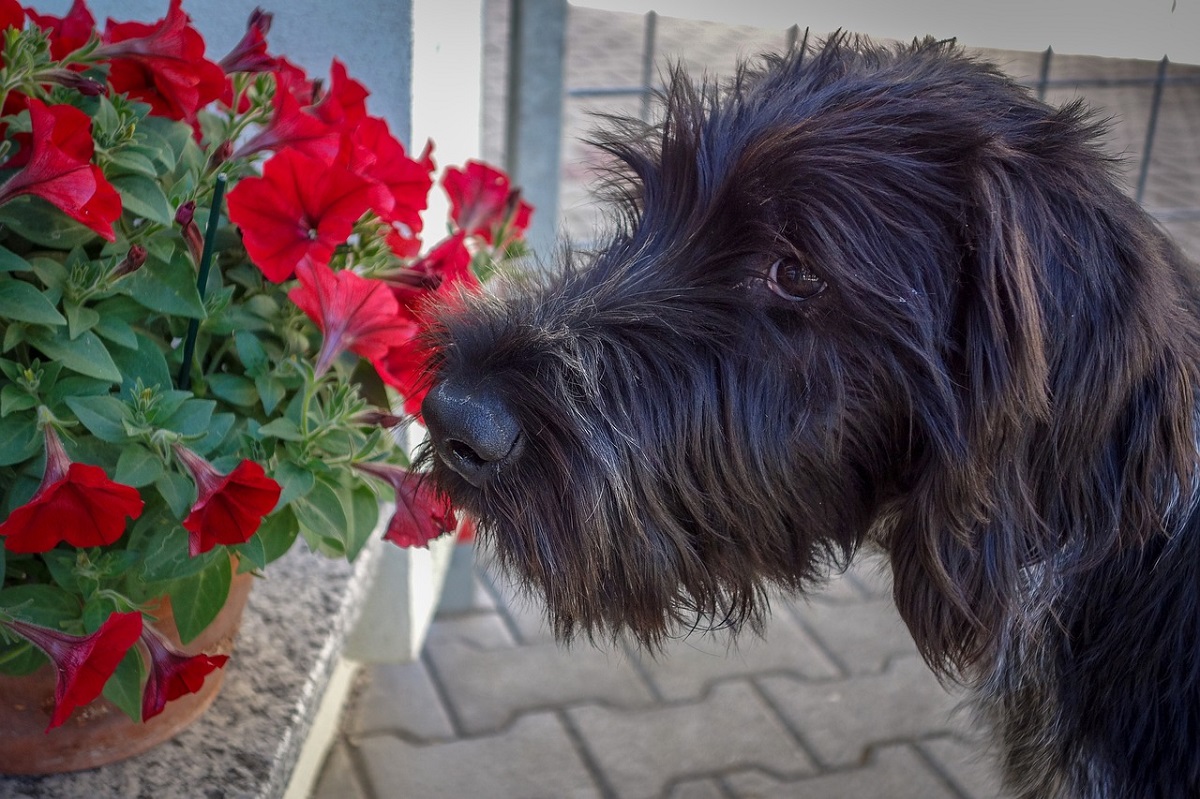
[472,430]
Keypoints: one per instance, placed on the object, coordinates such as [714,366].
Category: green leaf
[19,438]
[124,687]
[138,466]
[197,600]
[283,428]
[295,481]
[178,492]
[21,301]
[192,418]
[15,398]
[168,287]
[251,351]
[271,391]
[145,363]
[61,564]
[214,434]
[85,354]
[278,533]
[143,196]
[40,603]
[41,223]
[80,318]
[116,330]
[362,511]
[130,162]
[234,389]
[11,262]
[104,417]
[320,514]
[166,553]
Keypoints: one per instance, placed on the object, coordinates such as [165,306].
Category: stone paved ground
[833,704]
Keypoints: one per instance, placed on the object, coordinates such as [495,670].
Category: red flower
[354,313]
[13,16]
[162,64]
[293,127]
[482,202]
[380,157]
[69,33]
[299,208]
[447,264]
[57,167]
[250,54]
[229,507]
[76,503]
[422,513]
[83,662]
[440,272]
[172,674]
[346,101]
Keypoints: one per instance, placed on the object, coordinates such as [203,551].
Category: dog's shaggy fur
[866,297]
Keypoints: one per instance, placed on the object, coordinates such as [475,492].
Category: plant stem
[210,238]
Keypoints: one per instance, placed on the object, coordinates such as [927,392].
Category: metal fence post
[1151,129]
[533,135]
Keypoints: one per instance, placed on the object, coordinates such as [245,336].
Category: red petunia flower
[300,208]
[293,127]
[353,312]
[483,202]
[69,33]
[172,674]
[76,503]
[440,272]
[83,662]
[346,101]
[422,513]
[56,166]
[230,507]
[447,265]
[13,16]
[162,64]
[250,54]
[380,157]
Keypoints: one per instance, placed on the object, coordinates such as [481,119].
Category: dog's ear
[968,519]
[1069,346]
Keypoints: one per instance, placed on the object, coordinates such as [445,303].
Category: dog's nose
[472,430]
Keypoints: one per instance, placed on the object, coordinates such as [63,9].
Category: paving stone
[532,759]
[338,779]
[894,772]
[481,630]
[642,752]
[969,765]
[688,666]
[863,636]
[488,687]
[839,719]
[525,611]
[400,698]
[696,789]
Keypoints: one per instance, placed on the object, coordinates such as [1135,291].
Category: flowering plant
[188,385]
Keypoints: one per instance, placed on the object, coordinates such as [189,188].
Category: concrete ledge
[249,743]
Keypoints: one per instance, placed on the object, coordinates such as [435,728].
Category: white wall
[1122,28]
[373,38]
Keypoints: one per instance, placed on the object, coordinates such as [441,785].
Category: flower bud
[132,262]
[185,217]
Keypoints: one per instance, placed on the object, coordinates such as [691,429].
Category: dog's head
[847,298]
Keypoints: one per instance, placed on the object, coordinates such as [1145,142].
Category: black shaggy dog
[866,297]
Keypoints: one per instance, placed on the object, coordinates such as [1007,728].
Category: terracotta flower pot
[100,733]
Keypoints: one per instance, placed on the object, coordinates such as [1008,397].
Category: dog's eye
[794,280]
